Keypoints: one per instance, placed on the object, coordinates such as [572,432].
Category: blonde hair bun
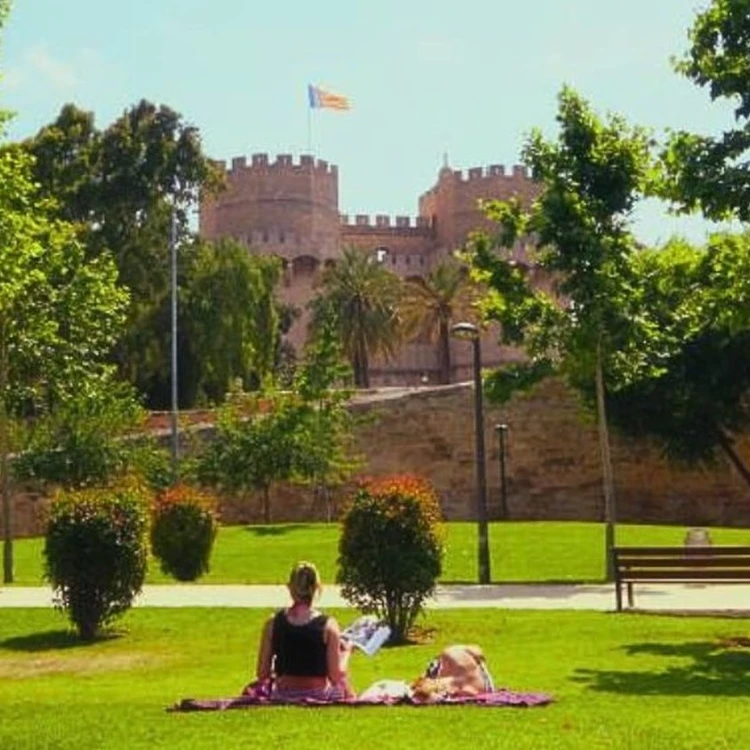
[304,582]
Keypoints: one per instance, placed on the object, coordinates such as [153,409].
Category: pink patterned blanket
[497,698]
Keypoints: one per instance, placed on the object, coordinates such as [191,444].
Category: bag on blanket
[459,671]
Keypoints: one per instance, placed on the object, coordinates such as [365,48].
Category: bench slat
[683,562]
[682,551]
[684,575]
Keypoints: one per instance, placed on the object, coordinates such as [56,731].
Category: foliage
[361,297]
[229,319]
[86,439]
[433,303]
[59,313]
[695,400]
[302,436]
[121,187]
[711,173]
[95,553]
[183,530]
[391,550]
[594,324]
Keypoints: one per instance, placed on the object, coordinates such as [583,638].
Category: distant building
[291,210]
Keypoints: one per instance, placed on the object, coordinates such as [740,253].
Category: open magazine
[367,633]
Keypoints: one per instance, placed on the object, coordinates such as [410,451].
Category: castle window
[265,236]
[421,260]
[282,237]
[381,253]
[408,260]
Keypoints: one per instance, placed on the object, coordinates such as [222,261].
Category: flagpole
[309,129]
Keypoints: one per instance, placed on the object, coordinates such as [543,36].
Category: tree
[433,303]
[706,173]
[695,399]
[590,179]
[230,319]
[362,298]
[122,187]
[58,313]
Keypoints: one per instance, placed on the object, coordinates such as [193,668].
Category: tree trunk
[267,504]
[363,379]
[4,460]
[444,352]
[610,509]
[726,444]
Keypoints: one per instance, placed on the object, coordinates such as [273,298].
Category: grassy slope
[520,551]
[623,681]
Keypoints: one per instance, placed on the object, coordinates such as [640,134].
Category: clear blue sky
[426,77]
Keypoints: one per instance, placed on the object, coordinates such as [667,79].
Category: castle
[291,210]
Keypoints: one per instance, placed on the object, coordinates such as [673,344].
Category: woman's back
[299,649]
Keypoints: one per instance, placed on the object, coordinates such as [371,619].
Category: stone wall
[553,470]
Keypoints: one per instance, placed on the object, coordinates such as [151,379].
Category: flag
[321,99]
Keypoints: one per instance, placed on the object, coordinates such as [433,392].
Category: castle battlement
[381,221]
[261,163]
[517,171]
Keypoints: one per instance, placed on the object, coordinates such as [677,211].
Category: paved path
[511,596]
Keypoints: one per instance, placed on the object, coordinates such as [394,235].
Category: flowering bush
[96,553]
[391,549]
[183,531]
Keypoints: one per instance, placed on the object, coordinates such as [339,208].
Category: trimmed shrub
[391,550]
[183,531]
[96,553]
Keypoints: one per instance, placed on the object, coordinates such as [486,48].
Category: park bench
[678,565]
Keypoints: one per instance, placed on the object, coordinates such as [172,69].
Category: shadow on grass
[52,640]
[714,669]
[277,529]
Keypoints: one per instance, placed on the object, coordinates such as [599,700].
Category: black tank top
[299,650]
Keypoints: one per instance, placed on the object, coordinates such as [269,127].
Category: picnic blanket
[253,698]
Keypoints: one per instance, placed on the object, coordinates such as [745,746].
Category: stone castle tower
[291,210]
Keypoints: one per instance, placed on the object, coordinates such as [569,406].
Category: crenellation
[362,220]
[283,160]
[403,222]
[239,162]
[344,219]
[306,160]
[260,160]
[423,222]
[496,170]
[322,165]
[382,220]
[519,170]
[476,173]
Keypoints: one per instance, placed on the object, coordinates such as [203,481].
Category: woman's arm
[337,656]
[263,670]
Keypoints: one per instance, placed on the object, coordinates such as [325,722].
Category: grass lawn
[532,551]
[627,681]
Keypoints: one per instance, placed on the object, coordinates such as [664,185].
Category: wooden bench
[678,565]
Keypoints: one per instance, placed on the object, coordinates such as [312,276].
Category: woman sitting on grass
[301,653]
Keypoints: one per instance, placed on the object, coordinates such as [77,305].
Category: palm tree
[433,303]
[362,297]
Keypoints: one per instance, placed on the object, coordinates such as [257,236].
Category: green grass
[627,681]
[533,551]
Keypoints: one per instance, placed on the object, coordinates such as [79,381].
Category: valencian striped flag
[321,99]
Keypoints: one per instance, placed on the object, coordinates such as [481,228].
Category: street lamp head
[501,427]
[465,330]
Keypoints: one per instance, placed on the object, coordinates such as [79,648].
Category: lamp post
[502,431]
[175,444]
[471,332]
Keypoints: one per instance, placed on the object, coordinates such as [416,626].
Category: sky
[428,79]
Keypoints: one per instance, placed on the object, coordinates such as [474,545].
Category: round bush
[391,550]
[96,553]
[183,531]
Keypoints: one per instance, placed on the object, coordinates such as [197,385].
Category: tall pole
[173,285]
[483,549]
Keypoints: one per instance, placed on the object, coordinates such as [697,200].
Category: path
[599,597]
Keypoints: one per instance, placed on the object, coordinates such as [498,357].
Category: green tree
[590,179]
[362,297]
[58,313]
[433,303]
[694,400]
[711,174]
[122,186]
[229,319]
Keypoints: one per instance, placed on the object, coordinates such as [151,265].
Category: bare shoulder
[332,625]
